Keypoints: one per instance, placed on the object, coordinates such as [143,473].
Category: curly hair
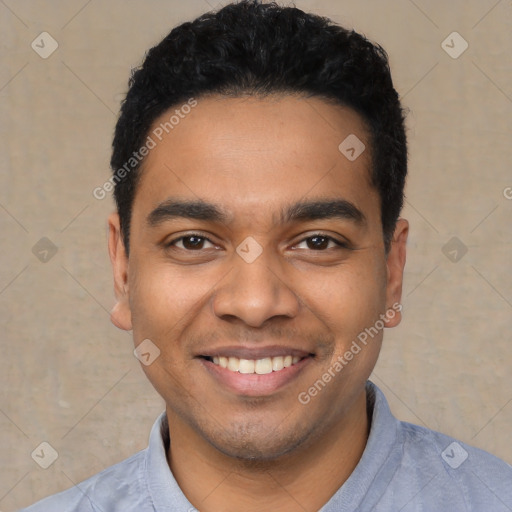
[259,49]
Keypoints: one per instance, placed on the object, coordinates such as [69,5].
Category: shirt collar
[160,482]
[378,463]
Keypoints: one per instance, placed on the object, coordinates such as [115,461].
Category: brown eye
[191,242]
[320,242]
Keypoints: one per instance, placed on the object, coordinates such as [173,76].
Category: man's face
[282,256]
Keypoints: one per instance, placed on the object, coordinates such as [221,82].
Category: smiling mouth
[262,366]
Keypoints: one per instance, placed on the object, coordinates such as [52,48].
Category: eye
[193,242]
[320,242]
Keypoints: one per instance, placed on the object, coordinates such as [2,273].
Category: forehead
[245,152]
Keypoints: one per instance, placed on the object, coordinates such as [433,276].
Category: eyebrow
[323,209]
[175,208]
[300,211]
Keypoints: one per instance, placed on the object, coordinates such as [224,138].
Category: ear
[395,270]
[120,315]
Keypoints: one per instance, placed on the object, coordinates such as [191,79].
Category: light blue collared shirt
[404,468]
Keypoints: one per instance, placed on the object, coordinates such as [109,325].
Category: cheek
[348,298]
[163,298]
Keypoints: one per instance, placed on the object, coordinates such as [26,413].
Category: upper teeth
[259,366]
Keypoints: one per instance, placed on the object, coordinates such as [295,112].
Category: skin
[253,157]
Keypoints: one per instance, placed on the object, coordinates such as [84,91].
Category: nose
[255,292]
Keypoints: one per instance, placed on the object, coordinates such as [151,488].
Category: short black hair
[260,49]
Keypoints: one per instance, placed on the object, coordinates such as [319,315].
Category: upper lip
[254,352]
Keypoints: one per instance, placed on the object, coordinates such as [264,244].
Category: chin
[258,448]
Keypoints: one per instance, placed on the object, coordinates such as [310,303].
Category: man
[259,164]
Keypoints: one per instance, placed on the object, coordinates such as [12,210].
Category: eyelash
[339,244]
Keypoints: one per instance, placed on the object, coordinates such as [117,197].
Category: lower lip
[252,384]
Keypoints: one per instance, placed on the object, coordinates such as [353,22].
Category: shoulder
[117,488]
[453,453]
[444,465]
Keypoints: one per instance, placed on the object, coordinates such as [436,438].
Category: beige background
[69,377]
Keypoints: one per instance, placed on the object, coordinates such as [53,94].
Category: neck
[300,481]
